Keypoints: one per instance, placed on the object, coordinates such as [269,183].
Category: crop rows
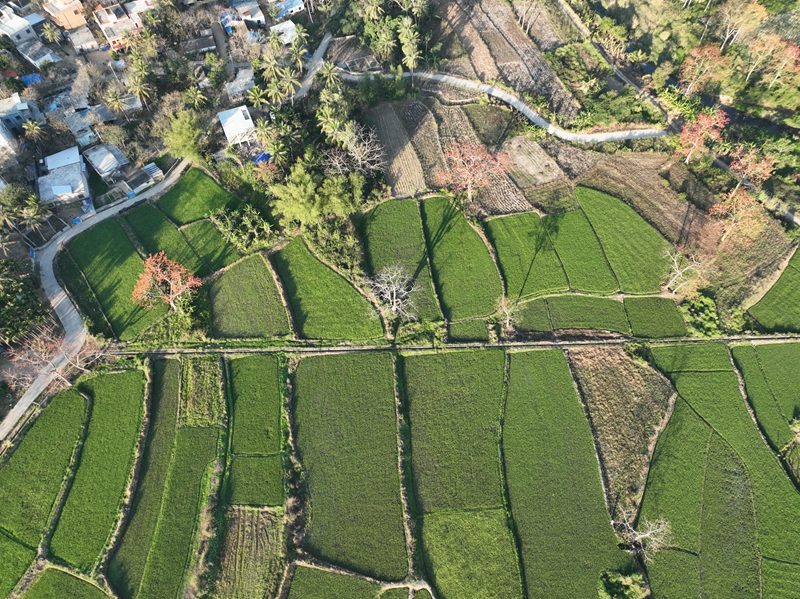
[311,583]
[346,435]
[169,555]
[324,304]
[202,403]
[246,302]
[106,462]
[552,475]
[465,276]
[394,237]
[126,567]
[112,267]
[423,133]
[779,310]
[193,197]
[31,479]
[403,169]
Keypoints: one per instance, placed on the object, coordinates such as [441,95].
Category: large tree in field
[751,167]
[183,137]
[164,280]
[704,128]
[470,166]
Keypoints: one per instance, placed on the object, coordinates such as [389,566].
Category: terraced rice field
[193,197]
[14,562]
[586,312]
[552,474]
[256,481]
[465,276]
[112,267]
[202,403]
[654,317]
[207,243]
[256,384]
[310,583]
[106,462]
[126,568]
[246,302]
[778,310]
[31,479]
[54,583]
[346,434]
[423,133]
[394,237]
[324,304]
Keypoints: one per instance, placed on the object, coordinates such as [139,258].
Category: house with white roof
[114,22]
[237,124]
[137,8]
[14,112]
[82,39]
[65,179]
[107,160]
[8,145]
[287,31]
[15,27]
[245,80]
[36,53]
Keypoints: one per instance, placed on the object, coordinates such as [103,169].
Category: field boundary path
[523,107]
[71,320]
[314,65]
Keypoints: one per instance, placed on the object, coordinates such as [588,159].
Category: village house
[245,80]
[67,14]
[114,22]
[14,112]
[65,178]
[83,40]
[237,125]
[15,27]
[36,53]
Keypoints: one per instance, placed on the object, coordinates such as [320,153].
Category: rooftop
[66,180]
[245,80]
[37,52]
[237,124]
[63,158]
[288,31]
[106,159]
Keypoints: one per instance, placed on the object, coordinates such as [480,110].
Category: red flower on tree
[163,280]
[705,127]
[752,168]
[470,166]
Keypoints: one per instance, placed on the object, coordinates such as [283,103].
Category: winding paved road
[74,329]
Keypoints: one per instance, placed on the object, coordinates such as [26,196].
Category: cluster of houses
[63,177]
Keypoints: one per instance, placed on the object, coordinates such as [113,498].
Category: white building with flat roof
[237,124]
[66,179]
[15,27]
[245,80]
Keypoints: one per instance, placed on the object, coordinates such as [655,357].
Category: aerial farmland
[409,299]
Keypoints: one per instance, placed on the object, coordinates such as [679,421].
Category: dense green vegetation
[675,574]
[112,267]
[580,252]
[257,400]
[692,357]
[246,302]
[454,404]
[106,464]
[772,422]
[126,568]
[654,317]
[81,293]
[202,403]
[527,260]
[467,330]
[780,580]
[779,309]
[14,561]
[170,553]
[586,312]
[393,236]
[256,480]
[55,584]
[552,475]
[209,244]
[471,554]
[325,305]
[465,275]
[31,479]
[347,441]
[193,197]
[158,234]
[310,583]
[634,249]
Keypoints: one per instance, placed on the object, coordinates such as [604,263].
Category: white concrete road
[74,329]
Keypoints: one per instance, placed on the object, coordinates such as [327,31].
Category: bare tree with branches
[397,291]
[364,148]
[684,273]
[648,538]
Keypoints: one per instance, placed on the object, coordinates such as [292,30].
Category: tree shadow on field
[541,242]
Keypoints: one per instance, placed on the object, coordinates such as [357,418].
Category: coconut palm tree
[328,73]
[5,243]
[406,29]
[232,152]
[301,35]
[384,41]
[373,10]
[269,67]
[275,41]
[195,98]
[147,43]
[411,58]
[51,33]
[141,89]
[275,91]
[115,102]
[34,132]
[277,150]
[257,96]
[296,53]
[290,81]
[264,131]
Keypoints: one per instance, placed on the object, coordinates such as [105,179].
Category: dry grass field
[403,171]
[530,165]
[424,135]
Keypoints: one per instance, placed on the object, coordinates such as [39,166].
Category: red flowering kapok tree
[750,167]
[164,280]
[470,166]
[703,65]
[704,128]
[739,213]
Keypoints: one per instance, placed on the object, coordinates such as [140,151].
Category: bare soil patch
[424,135]
[450,94]
[541,29]
[628,405]
[403,168]
[530,164]
[574,161]
[479,55]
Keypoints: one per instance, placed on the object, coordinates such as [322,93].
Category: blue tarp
[288,8]
[263,157]
[31,79]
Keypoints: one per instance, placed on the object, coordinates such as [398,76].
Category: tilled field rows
[403,171]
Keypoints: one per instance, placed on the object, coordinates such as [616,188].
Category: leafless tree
[18,380]
[364,148]
[508,310]
[396,290]
[646,540]
[337,161]
[684,273]
[528,14]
